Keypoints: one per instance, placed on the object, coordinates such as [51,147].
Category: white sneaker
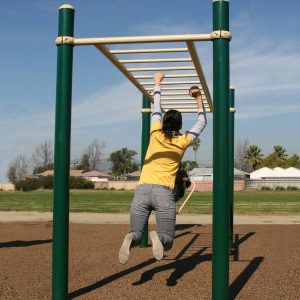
[157,247]
[125,249]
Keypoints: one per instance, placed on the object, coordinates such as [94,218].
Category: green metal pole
[220,264]
[145,142]
[62,157]
[231,162]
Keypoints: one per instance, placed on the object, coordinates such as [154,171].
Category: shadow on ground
[24,243]
[186,226]
[183,264]
[244,276]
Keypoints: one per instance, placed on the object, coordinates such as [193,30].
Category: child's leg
[139,212]
[165,213]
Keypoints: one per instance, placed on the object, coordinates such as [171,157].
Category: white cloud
[254,111]
[165,25]
[264,69]
[117,104]
[111,106]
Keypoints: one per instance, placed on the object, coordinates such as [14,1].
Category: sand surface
[264,263]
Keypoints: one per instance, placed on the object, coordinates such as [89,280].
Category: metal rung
[175,88]
[156,50]
[174,93]
[181,103]
[165,102]
[179,98]
[167,76]
[115,62]
[187,110]
[179,106]
[184,102]
[160,69]
[179,94]
[154,60]
[172,82]
[144,39]
[182,110]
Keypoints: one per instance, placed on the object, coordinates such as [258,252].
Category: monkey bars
[190,62]
[180,79]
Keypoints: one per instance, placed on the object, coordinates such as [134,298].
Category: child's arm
[156,114]
[201,122]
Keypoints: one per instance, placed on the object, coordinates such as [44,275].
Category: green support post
[146,111]
[62,156]
[220,263]
[231,162]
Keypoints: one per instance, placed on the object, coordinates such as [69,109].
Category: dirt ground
[264,264]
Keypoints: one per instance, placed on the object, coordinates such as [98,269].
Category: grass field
[246,202]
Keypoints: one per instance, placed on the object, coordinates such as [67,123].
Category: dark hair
[172,122]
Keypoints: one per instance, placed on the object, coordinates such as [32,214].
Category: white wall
[7,186]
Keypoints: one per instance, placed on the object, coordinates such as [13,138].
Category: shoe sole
[157,247]
[125,249]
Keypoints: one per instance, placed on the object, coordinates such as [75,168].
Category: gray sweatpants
[159,198]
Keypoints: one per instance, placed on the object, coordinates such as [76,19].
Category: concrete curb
[104,218]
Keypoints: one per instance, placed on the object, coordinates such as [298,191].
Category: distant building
[206,174]
[7,186]
[95,176]
[240,175]
[134,175]
[276,174]
[201,174]
[75,173]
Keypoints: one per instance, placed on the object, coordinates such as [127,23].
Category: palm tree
[196,145]
[253,156]
[280,152]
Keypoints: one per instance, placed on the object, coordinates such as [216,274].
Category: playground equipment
[177,89]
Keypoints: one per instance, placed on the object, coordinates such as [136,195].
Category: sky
[264,62]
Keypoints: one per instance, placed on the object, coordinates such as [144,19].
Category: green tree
[122,161]
[253,156]
[279,158]
[195,146]
[293,161]
[271,161]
